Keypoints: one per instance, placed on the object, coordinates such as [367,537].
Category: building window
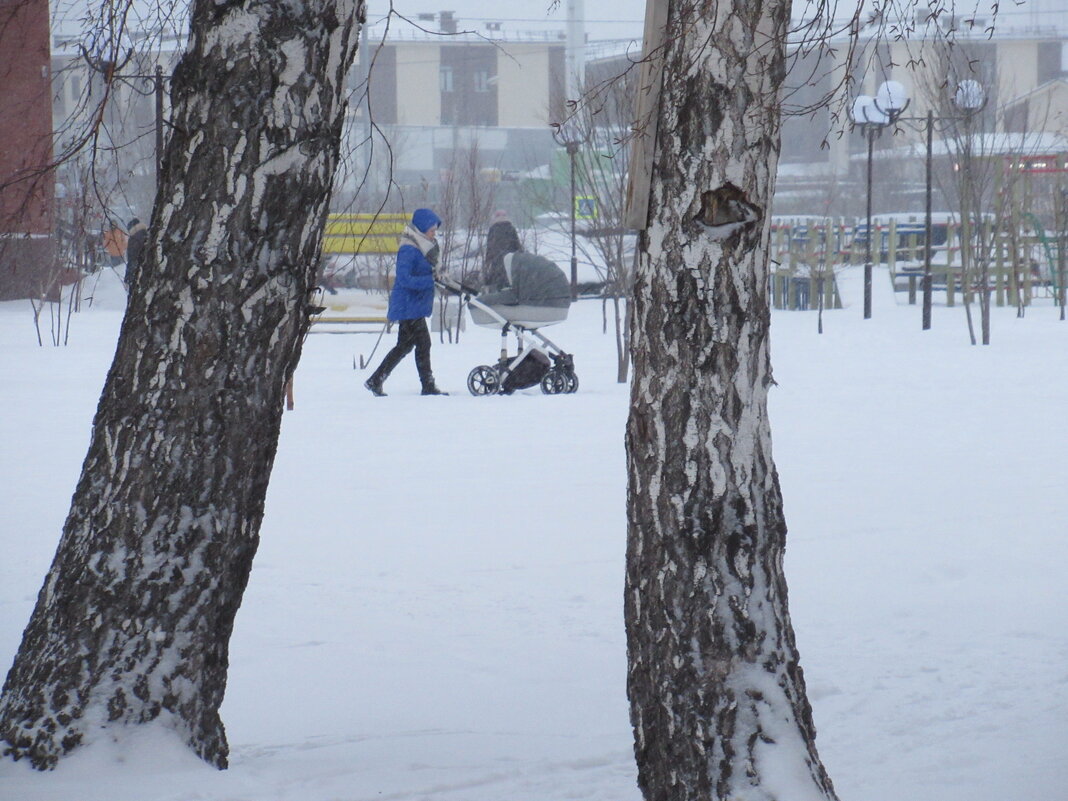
[446,78]
[482,81]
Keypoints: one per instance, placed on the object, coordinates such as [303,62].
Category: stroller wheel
[554,382]
[483,380]
[572,381]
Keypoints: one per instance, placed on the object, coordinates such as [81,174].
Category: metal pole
[364,146]
[927,288]
[1061,250]
[159,122]
[867,258]
[572,147]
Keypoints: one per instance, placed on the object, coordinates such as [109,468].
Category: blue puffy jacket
[413,288]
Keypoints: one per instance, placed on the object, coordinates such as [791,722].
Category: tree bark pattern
[134,619]
[716,690]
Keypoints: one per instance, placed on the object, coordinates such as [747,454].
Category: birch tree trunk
[134,619]
[716,691]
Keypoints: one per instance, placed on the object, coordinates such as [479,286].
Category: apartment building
[416,98]
[26,188]
[431,95]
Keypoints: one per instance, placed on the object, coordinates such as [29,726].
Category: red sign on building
[27,181]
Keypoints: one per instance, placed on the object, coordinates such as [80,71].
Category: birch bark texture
[716,691]
[134,619]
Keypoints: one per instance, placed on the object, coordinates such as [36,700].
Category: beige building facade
[1022,72]
[462,80]
[430,96]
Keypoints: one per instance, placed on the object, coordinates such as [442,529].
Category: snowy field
[436,608]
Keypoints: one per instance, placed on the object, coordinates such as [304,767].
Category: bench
[352,235]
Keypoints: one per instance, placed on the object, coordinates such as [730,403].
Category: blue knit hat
[424,219]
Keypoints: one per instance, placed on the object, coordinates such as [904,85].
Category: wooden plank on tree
[647,104]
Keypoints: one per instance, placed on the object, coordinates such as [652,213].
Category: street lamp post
[869,235]
[568,135]
[111,72]
[928,228]
[872,115]
[969,99]
[157,90]
[887,108]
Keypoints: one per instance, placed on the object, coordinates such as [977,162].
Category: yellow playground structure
[363,233]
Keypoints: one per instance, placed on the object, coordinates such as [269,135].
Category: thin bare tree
[602,169]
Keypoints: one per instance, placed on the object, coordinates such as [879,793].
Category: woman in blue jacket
[412,301]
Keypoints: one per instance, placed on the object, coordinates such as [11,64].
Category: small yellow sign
[585,208]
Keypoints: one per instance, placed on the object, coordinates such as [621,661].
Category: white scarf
[418,238]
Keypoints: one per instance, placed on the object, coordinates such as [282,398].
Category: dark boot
[431,388]
[405,343]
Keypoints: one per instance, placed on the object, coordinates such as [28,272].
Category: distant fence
[804,260]
[1021,264]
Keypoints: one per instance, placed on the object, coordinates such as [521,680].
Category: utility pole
[868,238]
[927,226]
[575,52]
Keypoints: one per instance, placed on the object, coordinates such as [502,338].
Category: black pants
[412,334]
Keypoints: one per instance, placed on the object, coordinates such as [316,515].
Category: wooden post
[967,261]
[912,245]
[891,252]
[1011,274]
[999,265]
[951,275]
[1061,216]
[1028,276]
[1014,239]
[776,273]
[813,263]
[833,253]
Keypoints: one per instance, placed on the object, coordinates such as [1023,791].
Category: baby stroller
[537,359]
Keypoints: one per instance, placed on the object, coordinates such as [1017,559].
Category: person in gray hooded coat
[533,280]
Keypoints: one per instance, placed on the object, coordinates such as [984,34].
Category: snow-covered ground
[436,608]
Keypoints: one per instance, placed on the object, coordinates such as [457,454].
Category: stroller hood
[536,281]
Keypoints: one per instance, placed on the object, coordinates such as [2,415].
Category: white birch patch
[271,289]
[50,586]
[295,53]
[234,159]
[721,232]
[232,32]
[780,756]
[217,235]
